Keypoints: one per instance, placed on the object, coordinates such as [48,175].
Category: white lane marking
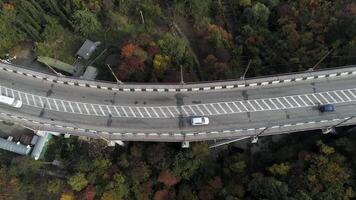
[123,109]
[213,106]
[322,96]
[259,105]
[275,106]
[26,97]
[80,111]
[338,96]
[190,107]
[279,101]
[38,100]
[20,96]
[170,112]
[101,109]
[249,103]
[117,111]
[49,105]
[149,115]
[227,105]
[351,93]
[6,94]
[233,103]
[312,102]
[302,100]
[176,109]
[198,108]
[186,113]
[206,108]
[345,95]
[317,98]
[243,105]
[55,103]
[131,110]
[12,93]
[107,107]
[34,101]
[266,104]
[222,108]
[154,111]
[295,101]
[164,114]
[70,106]
[92,107]
[64,107]
[334,100]
[139,111]
[86,109]
[285,99]
[42,105]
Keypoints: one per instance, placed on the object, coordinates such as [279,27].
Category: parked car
[326,108]
[198,121]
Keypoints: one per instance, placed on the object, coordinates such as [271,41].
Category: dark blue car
[326,108]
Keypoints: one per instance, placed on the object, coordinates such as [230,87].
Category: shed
[87,49]
[90,73]
[14,147]
[40,146]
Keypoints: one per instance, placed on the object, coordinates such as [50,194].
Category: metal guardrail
[189,83]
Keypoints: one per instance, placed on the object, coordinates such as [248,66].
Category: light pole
[321,60]
[255,137]
[181,75]
[248,67]
[112,72]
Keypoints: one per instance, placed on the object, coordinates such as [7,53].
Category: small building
[14,147]
[90,73]
[87,49]
[41,145]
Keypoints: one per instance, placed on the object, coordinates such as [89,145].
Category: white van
[10,101]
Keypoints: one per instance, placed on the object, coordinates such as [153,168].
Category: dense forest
[293,167]
[148,40]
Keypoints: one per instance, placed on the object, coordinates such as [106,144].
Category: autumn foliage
[167,178]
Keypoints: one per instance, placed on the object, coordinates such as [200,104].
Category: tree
[117,189]
[262,187]
[167,178]
[55,186]
[173,47]
[260,13]
[78,181]
[85,22]
[279,169]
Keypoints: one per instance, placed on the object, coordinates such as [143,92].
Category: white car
[197,121]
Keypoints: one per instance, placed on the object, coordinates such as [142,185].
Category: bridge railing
[192,86]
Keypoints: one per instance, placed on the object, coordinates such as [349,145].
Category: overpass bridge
[136,112]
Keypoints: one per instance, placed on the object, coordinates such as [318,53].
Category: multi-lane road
[162,112]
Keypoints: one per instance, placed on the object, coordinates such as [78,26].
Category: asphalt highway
[169,113]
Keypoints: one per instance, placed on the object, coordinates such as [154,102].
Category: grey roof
[87,49]
[40,144]
[13,147]
[90,73]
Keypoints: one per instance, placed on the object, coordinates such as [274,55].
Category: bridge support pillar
[328,130]
[185,144]
[254,139]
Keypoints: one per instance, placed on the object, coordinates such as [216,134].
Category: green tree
[78,181]
[117,189]
[86,23]
[262,187]
[173,47]
[260,13]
